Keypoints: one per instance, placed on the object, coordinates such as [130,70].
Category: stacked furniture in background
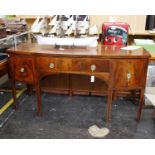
[2,29]
[12,26]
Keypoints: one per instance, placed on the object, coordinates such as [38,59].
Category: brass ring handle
[93,67]
[22,70]
[51,65]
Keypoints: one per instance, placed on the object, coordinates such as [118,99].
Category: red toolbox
[115,33]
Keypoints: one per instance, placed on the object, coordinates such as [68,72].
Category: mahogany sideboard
[118,69]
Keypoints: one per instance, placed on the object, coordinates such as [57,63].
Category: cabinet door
[23,69]
[129,74]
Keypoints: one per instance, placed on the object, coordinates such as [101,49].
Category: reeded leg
[141,103]
[109,106]
[38,95]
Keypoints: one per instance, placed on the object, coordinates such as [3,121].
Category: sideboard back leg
[141,103]
[109,106]
[38,95]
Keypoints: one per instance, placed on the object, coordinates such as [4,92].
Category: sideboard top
[100,51]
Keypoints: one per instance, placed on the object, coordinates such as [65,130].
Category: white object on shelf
[144,41]
[152,31]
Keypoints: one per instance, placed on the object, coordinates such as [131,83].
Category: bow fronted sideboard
[119,69]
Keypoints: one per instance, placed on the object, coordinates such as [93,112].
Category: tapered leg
[70,85]
[141,103]
[109,106]
[38,95]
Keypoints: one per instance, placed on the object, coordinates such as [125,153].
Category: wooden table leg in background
[141,103]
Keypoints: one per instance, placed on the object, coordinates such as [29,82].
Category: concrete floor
[70,117]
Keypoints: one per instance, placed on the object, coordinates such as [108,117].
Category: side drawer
[90,64]
[23,69]
[52,64]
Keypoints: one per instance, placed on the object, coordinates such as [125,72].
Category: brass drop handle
[93,67]
[51,66]
[22,70]
[128,76]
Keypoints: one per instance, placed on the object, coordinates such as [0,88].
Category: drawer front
[90,65]
[23,69]
[129,73]
[53,64]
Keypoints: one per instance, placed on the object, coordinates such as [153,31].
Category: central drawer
[53,64]
[90,65]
